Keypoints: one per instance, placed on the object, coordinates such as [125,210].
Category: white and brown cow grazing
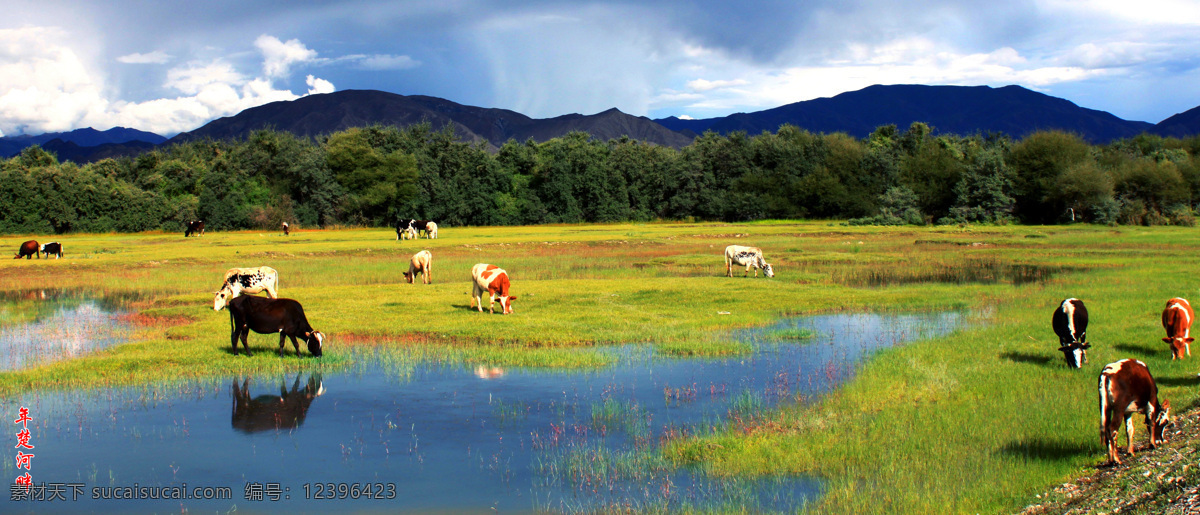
[53,248]
[749,257]
[246,280]
[1177,320]
[286,228]
[268,316]
[494,281]
[420,263]
[1126,387]
[1070,324]
[431,230]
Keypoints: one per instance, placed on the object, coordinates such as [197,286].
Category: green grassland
[977,421]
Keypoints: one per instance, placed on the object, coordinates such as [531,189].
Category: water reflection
[61,329]
[285,411]
[455,438]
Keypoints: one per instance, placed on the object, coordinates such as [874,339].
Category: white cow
[246,280]
[431,230]
[749,257]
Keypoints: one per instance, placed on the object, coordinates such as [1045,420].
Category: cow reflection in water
[274,412]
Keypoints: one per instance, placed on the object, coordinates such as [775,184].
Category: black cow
[270,412]
[1070,324]
[53,247]
[27,249]
[267,316]
[194,227]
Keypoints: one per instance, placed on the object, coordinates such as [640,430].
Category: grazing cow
[266,316]
[1177,320]
[28,249]
[494,281]
[1126,387]
[407,234]
[271,412]
[53,247]
[285,228]
[749,257]
[420,264]
[420,225]
[194,227]
[1070,324]
[246,280]
[431,230]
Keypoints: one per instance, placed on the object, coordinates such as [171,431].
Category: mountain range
[1012,110]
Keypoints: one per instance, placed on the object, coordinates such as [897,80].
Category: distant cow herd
[1124,387]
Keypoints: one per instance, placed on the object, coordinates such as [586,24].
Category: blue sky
[168,67]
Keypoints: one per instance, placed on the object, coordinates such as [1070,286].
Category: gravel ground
[1159,481]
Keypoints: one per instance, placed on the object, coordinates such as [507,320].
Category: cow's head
[1179,347]
[1075,352]
[315,341]
[768,271]
[1160,423]
[506,303]
[409,277]
[222,297]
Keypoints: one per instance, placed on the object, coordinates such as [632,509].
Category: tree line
[374,176]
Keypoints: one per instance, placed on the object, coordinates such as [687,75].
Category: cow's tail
[1103,388]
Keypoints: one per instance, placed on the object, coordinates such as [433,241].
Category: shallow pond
[394,435]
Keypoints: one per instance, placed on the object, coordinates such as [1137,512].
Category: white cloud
[279,56]
[155,57]
[388,62]
[45,86]
[709,85]
[318,86]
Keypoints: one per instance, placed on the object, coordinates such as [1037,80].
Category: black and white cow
[268,316]
[52,248]
[749,257]
[194,227]
[1070,324]
[246,280]
[1126,387]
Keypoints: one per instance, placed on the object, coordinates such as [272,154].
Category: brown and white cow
[420,263]
[246,280]
[286,229]
[1126,387]
[493,280]
[1177,320]
[28,249]
[749,257]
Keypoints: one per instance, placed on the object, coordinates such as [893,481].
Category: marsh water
[394,435]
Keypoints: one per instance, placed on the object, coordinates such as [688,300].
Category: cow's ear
[1168,340]
[1085,346]
[1189,340]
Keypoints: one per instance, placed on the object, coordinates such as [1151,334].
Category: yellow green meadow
[976,421]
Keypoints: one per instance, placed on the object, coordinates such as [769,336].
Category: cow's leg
[233,335]
[427,276]
[296,346]
[1112,431]
[271,291]
[244,333]
[282,342]
[1129,431]
[492,305]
